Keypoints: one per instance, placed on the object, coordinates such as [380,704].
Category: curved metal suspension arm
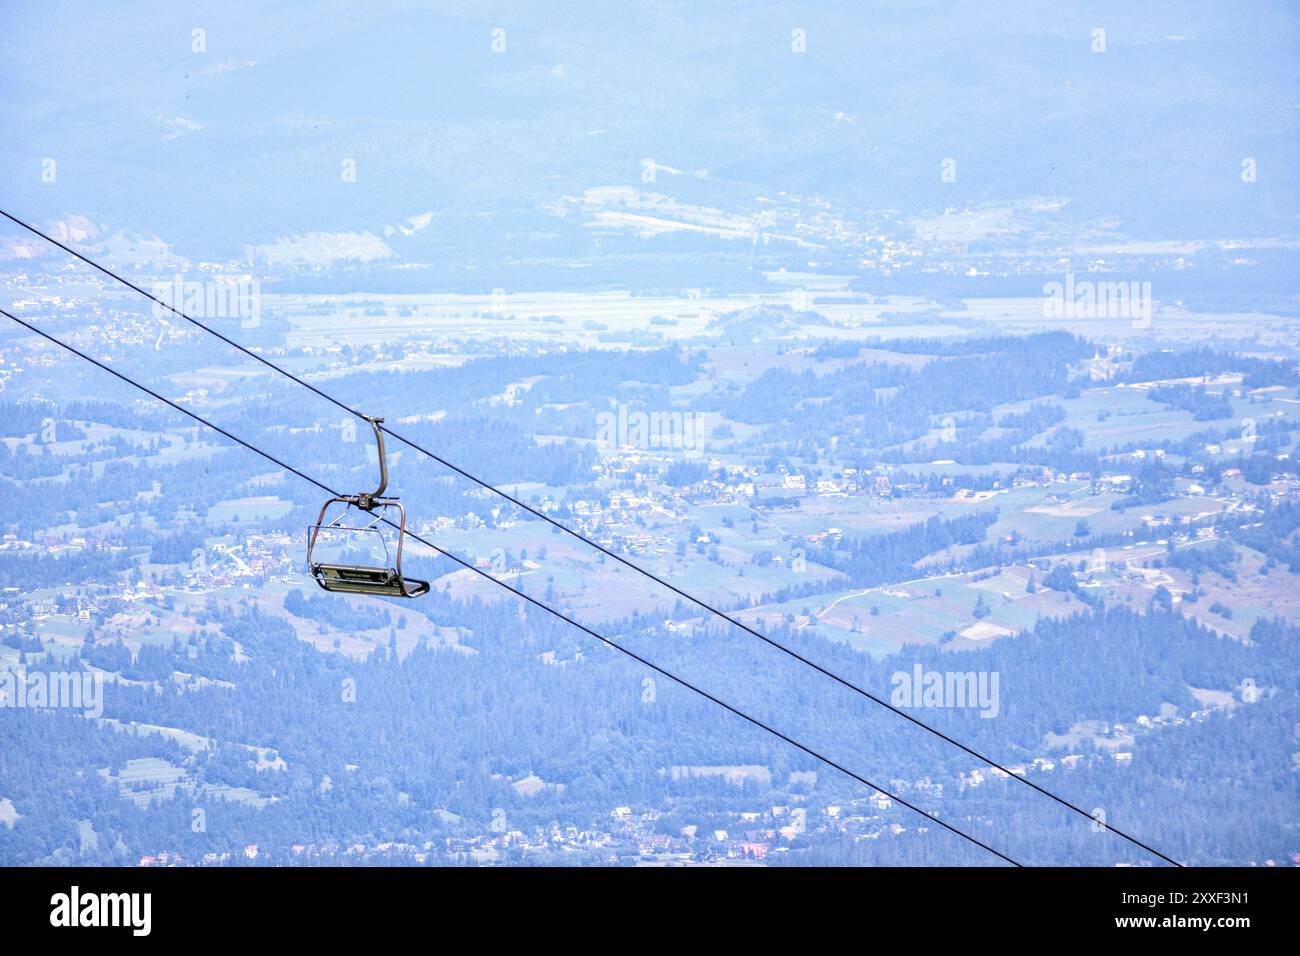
[367,501]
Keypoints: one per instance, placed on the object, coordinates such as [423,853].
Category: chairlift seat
[384,578]
[356,579]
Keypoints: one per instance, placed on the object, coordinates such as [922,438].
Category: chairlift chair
[347,575]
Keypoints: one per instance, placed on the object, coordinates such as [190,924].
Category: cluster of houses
[646,837]
[629,837]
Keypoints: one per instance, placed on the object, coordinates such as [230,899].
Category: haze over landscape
[953,349]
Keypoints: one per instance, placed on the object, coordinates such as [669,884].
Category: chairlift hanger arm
[367,501]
